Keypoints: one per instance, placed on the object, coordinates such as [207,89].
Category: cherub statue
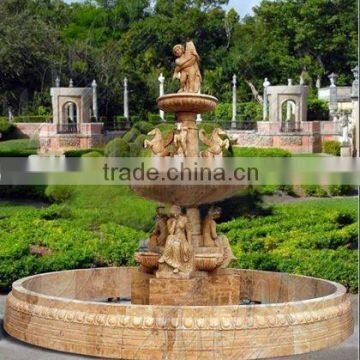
[180,140]
[178,248]
[212,239]
[187,67]
[160,232]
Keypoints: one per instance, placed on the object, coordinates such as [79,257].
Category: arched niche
[289,111]
[70,113]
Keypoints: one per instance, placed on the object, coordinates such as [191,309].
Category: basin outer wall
[41,310]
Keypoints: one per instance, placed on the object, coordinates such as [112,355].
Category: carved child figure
[187,67]
[177,252]
[160,232]
[212,239]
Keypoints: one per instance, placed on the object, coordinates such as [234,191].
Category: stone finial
[94,84]
[355,84]
[318,82]
[266,83]
[355,71]
[234,80]
[57,82]
[332,77]
[161,78]
[302,80]
[289,82]
[71,83]
[125,81]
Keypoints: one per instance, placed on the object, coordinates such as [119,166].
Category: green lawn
[18,147]
[102,225]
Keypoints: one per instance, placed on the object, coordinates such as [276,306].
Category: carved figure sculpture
[344,119]
[215,143]
[212,239]
[187,68]
[180,140]
[157,144]
[160,232]
[178,250]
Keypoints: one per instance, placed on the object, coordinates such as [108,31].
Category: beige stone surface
[59,311]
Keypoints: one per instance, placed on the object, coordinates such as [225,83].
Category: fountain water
[185,302]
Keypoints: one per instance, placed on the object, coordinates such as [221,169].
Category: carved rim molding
[187,102]
[35,309]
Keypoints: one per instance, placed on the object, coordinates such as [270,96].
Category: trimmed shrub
[318,109]
[170,118]
[59,193]
[140,140]
[338,190]
[82,152]
[134,149]
[117,147]
[32,119]
[260,152]
[154,118]
[35,192]
[314,190]
[120,119]
[131,135]
[134,119]
[93,154]
[143,126]
[331,147]
[5,126]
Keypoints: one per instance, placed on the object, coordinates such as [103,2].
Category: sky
[243,7]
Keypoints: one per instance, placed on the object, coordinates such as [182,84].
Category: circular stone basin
[187,195]
[59,311]
[187,102]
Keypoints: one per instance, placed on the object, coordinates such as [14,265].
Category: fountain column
[188,120]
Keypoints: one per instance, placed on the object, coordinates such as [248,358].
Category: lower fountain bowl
[62,311]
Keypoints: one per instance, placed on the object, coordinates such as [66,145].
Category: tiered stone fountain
[185,302]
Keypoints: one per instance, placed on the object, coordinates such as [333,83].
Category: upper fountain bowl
[187,102]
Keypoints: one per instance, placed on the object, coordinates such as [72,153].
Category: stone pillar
[71,83]
[289,82]
[161,79]
[355,109]
[10,115]
[198,116]
[55,113]
[266,84]
[193,214]
[234,103]
[126,99]
[333,96]
[94,100]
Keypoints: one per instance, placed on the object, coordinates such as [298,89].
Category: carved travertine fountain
[185,302]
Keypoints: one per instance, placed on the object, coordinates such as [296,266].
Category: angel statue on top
[187,68]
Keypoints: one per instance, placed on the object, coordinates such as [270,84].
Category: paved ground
[11,349]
